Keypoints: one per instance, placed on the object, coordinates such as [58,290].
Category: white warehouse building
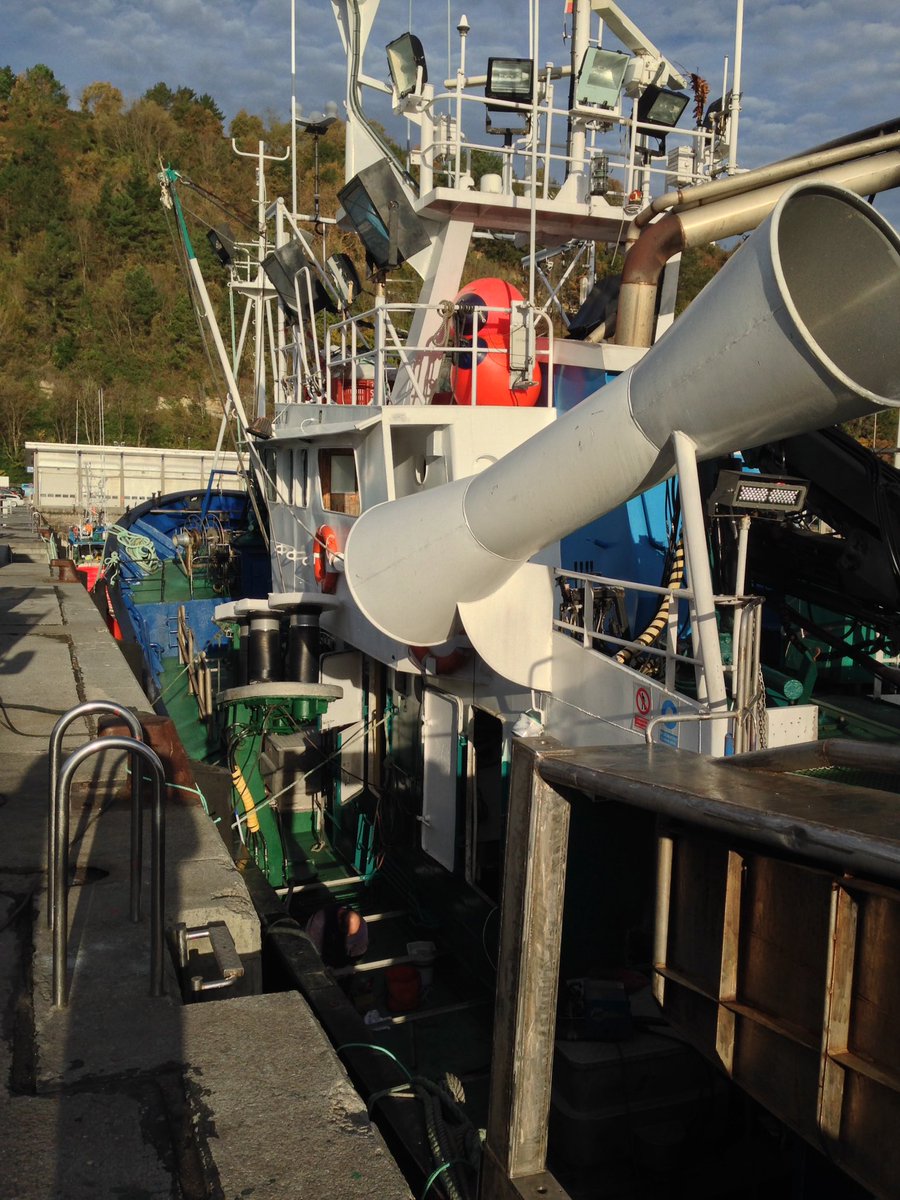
[70,478]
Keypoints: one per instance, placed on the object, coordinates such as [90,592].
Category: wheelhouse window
[300,478]
[340,487]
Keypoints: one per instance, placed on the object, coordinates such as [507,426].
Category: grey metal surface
[851,828]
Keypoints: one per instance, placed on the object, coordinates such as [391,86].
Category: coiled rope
[140,549]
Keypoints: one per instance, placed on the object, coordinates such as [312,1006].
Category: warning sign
[642,706]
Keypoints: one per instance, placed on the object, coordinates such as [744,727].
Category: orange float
[486,380]
[441,660]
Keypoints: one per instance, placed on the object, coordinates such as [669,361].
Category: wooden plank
[838,1002]
[784,945]
[875,1029]
[728,975]
[862,1066]
[664,851]
[699,881]
[528,969]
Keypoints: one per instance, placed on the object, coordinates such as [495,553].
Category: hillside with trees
[92,293]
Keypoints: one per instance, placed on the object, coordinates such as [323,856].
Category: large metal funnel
[798,331]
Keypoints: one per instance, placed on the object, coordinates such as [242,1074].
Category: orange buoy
[441,660]
[324,549]
[482,375]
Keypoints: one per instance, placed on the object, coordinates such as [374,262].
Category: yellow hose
[240,786]
[658,624]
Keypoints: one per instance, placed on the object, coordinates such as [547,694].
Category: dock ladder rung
[228,962]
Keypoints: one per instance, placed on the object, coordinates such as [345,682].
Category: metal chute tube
[798,331]
[304,645]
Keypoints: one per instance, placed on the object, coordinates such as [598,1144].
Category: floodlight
[376,207]
[599,80]
[750,492]
[221,240]
[659,106]
[406,57]
[282,267]
[512,80]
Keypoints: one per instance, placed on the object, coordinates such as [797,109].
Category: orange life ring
[441,660]
[324,548]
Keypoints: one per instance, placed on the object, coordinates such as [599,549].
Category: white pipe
[736,88]
[696,552]
[581,30]
[788,171]
[294,108]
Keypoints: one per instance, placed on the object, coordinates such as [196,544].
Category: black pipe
[303,646]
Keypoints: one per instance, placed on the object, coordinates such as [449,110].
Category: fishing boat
[535,513]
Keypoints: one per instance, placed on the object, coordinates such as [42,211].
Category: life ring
[441,660]
[324,549]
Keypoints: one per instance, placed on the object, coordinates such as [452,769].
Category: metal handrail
[90,708]
[61,878]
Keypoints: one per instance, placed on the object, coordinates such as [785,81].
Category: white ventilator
[798,331]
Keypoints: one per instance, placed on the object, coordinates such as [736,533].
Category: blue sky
[812,69]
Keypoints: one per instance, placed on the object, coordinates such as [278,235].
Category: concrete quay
[122,1094]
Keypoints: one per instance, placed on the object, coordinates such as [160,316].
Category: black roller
[264,660]
[303,647]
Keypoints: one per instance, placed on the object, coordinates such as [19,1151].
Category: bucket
[423,955]
[404,988]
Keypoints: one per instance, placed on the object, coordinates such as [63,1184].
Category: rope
[140,549]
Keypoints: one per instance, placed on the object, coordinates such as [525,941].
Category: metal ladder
[58,838]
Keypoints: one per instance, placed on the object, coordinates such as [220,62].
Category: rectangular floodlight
[600,78]
[746,492]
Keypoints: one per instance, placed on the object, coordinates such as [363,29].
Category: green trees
[91,294]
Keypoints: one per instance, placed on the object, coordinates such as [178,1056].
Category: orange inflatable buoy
[324,549]
[480,374]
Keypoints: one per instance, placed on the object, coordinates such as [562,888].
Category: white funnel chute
[798,331]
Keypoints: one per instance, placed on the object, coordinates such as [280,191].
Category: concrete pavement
[121,1094]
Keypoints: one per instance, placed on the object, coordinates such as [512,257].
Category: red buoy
[481,375]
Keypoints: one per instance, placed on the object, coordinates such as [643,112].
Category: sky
[812,70]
